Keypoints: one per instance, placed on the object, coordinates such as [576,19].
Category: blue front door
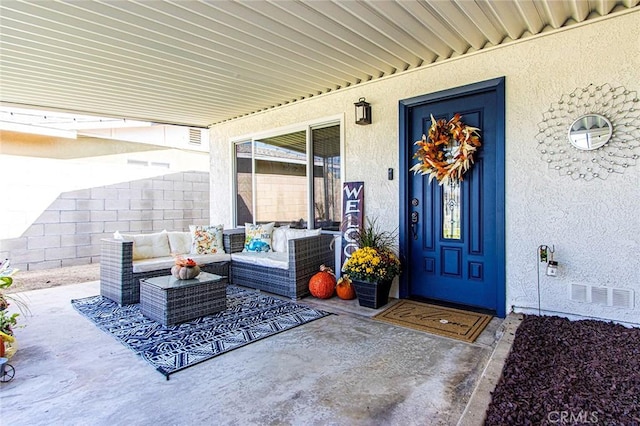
[452,235]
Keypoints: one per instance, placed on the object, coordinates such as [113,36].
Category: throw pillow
[258,237]
[206,239]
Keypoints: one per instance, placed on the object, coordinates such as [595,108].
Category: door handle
[415,218]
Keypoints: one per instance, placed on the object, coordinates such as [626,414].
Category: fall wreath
[446,153]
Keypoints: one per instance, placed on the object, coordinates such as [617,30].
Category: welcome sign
[352,217]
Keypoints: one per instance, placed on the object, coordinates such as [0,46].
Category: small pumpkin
[323,284]
[185,272]
[344,288]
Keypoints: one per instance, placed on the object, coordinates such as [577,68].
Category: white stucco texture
[593,225]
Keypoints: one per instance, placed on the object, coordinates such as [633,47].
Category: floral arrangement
[446,153]
[371,264]
[7,320]
[188,262]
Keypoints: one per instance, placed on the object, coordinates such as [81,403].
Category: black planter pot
[372,295]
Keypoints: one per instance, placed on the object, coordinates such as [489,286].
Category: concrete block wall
[69,231]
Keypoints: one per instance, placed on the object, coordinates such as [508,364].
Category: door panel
[452,250]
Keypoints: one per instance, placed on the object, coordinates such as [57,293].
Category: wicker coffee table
[171,301]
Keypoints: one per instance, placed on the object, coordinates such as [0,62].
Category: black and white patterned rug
[249,317]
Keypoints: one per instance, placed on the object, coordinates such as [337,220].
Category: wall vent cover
[195,136]
[605,296]
[579,292]
[599,295]
[622,298]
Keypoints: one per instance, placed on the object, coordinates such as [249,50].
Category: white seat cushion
[179,242]
[293,234]
[148,265]
[269,259]
[147,246]
[280,239]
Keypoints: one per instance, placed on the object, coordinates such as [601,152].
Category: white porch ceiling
[202,62]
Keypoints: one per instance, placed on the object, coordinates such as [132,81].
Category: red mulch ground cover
[562,372]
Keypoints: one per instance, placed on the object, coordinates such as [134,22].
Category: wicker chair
[119,283]
[305,257]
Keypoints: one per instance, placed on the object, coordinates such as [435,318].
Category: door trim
[405,105]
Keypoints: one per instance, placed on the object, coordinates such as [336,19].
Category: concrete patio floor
[344,369]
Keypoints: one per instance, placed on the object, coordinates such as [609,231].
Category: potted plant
[373,265]
[7,320]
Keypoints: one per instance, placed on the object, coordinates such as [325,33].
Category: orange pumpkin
[344,288]
[323,284]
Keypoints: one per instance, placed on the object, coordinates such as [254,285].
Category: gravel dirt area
[569,372]
[34,280]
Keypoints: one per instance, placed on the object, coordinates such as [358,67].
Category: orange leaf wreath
[447,152]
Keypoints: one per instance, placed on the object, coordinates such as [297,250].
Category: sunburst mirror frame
[617,104]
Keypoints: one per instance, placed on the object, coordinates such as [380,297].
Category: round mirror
[590,132]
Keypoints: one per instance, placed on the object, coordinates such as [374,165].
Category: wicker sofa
[120,274]
[284,273]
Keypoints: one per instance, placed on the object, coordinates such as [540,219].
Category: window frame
[307,127]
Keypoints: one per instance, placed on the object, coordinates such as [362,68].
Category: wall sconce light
[363,112]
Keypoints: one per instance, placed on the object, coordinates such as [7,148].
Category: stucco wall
[593,225]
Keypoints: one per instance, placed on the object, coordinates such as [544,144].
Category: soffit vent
[163,165]
[137,162]
[604,296]
[195,136]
